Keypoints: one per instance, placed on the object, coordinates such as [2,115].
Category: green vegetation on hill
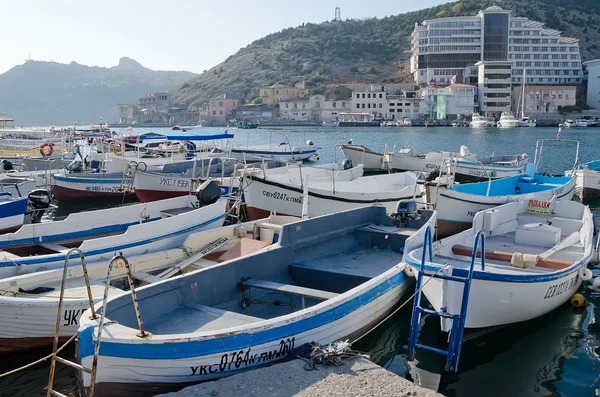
[42,93]
[369,50]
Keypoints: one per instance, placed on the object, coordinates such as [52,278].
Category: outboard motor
[431,175]
[347,164]
[208,193]
[75,166]
[406,210]
[39,202]
[7,165]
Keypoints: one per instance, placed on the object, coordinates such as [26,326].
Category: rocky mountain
[367,50]
[42,93]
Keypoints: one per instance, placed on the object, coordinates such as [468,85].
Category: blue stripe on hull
[14,207]
[171,350]
[43,259]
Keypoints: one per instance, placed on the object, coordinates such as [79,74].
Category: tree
[257,101]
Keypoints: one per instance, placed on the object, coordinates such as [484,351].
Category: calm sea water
[558,354]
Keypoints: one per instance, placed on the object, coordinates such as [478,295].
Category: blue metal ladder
[458,320]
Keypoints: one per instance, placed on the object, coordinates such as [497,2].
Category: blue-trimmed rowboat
[331,277]
[12,212]
[281,152]
[131,229]
[536,253]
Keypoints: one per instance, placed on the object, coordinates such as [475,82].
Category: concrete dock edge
[360,377]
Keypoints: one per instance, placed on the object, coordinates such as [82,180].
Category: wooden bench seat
[289,289]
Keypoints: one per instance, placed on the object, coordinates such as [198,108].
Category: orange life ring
[46,149]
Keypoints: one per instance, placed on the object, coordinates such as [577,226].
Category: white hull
[285,198]
[372,161]
[495,171]
[588,183]
[102,185]
[210,366]
[279,153]
[137,229]
[460,208]
[12,222]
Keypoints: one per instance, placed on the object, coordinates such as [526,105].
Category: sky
[191,35]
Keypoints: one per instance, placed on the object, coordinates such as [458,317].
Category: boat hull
[293,154]
[357,154]
[588,184]
[160,373]
[268,195]
[501,302]
[74,187]
[13,214]
[457,209]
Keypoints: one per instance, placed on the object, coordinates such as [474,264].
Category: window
[221,112]
[343,104]
[380,96]
[363,105]
[358,105]
[380,105]
[264,92]
[407,104]
[276,92]
[392,104]
[368,95]
[566,96]
[287,105]
[357,95]
[369,105]
[318,104]
[392,110]
[214,112]
[559,96]
[333,104]
[221,103]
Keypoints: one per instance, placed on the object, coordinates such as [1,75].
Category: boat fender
[596,284]
[585,274]
[524,261]
[409,271]
[464,151]
[577,301]
[309,143]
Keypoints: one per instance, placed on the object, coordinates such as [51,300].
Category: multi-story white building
[444,47]
[456,101]
[381,103]
[316,108]
[593,87]
[494,83]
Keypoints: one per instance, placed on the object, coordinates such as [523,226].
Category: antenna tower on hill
[338,14]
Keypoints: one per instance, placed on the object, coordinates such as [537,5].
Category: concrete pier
[359,378]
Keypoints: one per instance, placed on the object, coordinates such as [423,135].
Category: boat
[457,204]
[588,180]
[536,253]
[17,186]
[314,191]
[579,123]
[507,120]
[89,185]
[282,152]
[464,164]
[527,122]
[330,278]
[524,121]
[29,302]
[405,122]
[478,121]
[132,229]
[246,125]
[358,120]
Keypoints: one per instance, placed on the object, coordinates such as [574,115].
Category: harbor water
[556,355]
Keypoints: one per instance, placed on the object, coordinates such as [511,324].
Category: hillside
[42,93]
[370,50]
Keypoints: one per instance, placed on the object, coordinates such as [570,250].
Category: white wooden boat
[329,278]
[283,193]
[281,152]
[536,253]
[132,229]
[28,303]
[457,204]
[483,168]
[89,185]
[588,180]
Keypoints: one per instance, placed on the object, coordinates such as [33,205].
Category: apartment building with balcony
[444,47]
[276,93]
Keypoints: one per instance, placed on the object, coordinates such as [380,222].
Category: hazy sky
[161,34]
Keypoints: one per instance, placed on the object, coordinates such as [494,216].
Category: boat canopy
[187,135]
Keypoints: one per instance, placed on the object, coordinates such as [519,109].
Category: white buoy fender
[309,143]
[596,284]
[464,151]
[585,274]
[409,271]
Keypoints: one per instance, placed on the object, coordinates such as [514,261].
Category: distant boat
[507,120]
[478,121]
[330,278]
[282,152]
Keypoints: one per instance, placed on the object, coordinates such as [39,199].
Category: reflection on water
[557,354]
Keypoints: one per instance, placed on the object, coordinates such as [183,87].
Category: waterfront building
[276,93]
[380,103]
[316,108]
[456,101]
[494,87]
[593,83]
[444,47]
[159,102]
[220,107]
[543,99]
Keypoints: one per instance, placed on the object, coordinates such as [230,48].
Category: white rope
[38,361]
